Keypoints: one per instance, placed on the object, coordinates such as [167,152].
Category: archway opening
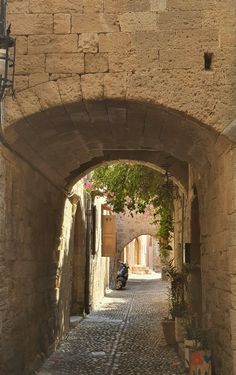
[66,140]
[142,255]
[61,146]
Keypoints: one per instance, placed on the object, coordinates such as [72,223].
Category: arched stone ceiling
[62,136]
[157,160]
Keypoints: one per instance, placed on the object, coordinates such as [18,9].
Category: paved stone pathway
[123,336]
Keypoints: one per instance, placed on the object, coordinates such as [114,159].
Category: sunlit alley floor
[123,336]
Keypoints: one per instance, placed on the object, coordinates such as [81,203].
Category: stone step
[140,269]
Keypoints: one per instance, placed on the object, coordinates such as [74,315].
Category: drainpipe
[87,256]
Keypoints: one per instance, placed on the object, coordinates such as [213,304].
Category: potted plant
[177,305]
[179,312]
[168,324]
[173,327]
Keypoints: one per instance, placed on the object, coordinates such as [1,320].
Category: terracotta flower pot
[168,327]
[180,331]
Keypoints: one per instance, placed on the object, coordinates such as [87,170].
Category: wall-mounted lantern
[7,55]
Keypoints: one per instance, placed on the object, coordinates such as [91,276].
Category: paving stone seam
[111,369]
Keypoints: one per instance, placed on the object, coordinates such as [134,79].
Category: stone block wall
[30,214]
[140,50]
[37,234]
[217,263]
[216,194]
[136,51]
[128,228]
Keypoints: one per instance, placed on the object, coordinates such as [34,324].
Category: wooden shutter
[108,235]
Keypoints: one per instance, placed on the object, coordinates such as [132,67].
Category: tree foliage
[138,189]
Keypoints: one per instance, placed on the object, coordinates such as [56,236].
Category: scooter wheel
[119,285]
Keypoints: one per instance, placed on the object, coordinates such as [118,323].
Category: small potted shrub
[168,323]
[168,326]
[177,305]
[179,312]
[173,326]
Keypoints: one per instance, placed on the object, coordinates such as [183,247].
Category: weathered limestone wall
[63,265]
[30,215]
[217,208]
[151,50]
[143,51]
[216,195]
[69,261]
[99,77]
[129,228]
[37,240]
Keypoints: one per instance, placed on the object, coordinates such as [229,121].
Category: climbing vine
[138,189]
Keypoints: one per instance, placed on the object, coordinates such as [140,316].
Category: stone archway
[142,254]
[62,142]
[63,138]
[129,228]
[97,83]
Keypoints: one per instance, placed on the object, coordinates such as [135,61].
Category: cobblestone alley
[123,336]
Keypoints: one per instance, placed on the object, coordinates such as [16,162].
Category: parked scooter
[122,276]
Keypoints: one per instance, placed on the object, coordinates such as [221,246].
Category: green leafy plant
[179,310]
[178,286]
[138,189]
[197,334]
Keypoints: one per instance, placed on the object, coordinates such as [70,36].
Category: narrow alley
[124,336]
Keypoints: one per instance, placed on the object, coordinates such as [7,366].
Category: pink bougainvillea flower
[88,185]
[197,359]
[146,214]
